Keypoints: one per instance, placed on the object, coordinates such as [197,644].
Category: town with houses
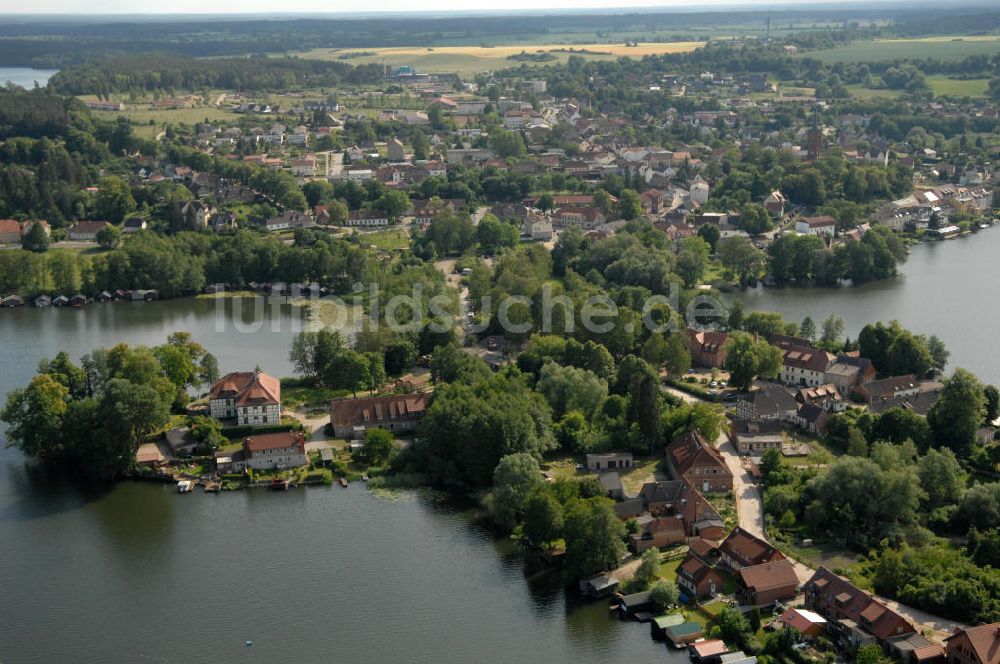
[679,460]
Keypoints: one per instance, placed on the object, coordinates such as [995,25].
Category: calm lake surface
[26,76]
[948,288]
[138,573]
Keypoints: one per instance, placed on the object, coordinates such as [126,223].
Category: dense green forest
[147,73]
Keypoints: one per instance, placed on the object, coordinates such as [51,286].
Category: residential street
[748,499]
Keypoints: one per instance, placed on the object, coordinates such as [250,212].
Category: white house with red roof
[251,397]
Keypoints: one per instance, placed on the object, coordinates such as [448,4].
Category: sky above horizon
[341,6]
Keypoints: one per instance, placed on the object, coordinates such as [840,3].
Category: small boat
[343,482]
[280,484]
[184,486]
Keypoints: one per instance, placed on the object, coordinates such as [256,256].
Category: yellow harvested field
[475,59]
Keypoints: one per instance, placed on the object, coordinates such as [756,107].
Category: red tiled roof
[372,410]
[248,388]
[770,576]
[812,359]
[10,226]
[88,226]
[749,549]
[275,441]
[708,341]
[691,450]
[816,222]
[984,640]
[854,603]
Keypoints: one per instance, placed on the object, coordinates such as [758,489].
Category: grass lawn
[642,472]
[564,467]
[668,569]
[820,551]
[294,397]
[715,607]
[81,248]
[390,240]
[470,60]
[947,47]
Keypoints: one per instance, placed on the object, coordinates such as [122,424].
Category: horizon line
[707,6]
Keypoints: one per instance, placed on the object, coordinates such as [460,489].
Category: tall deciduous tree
[114,200]
[958,413]
[543,518]
[34,416]
[379,445]
[747,358]
[36,239]
[515,479]
[594,538]
[629,204]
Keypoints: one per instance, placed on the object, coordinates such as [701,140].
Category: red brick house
[741,549]
[678,498]
[693,458]
[974,645]
[767,583]
[708,349]
[697,578]
[858,618]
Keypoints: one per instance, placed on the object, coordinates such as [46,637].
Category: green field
[944,86]
[944,48]
[388,240]
[941,85]
[140,115]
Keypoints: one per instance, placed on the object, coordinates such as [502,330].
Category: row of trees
[187,262]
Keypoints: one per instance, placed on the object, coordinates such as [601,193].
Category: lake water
[948,289]
[26,76]
[138,573]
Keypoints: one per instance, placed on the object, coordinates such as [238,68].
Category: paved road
[749,507]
